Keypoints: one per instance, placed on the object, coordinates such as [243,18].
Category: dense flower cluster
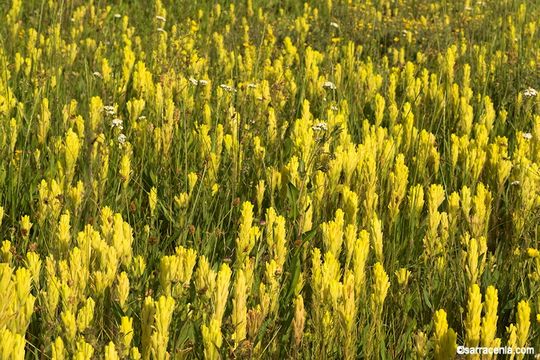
[333,179]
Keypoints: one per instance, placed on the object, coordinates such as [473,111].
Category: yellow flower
[26,225]
[380,289]
[472,321]
[152,200]
[403,276]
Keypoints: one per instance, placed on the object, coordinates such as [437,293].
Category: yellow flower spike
[164,308]
[44,121]
[138,266]
[5,250]
[348,312]
[379,289]
[221,293]
[472,321]
[379,109]
[122,239]
[512,337]
[23,284]
[182,200]
[71,154]
[350,239]
[272,131]
[122,290]
[376,235]
[1,214]
[398,185]
[299,319]
[75,195]
[152,200]
[85,315]
[247,233]
[333,233]
[26,225]
[489,321]
[52,285]
[110,352]
[64,231]
[188,258]
[360,257]
[135,108]
[125,170]
[106,71]
[70,325]
[444,337]
[482,210]
[147,325]
[34,265]
[212,339]
[96,114]
[215,189]
[205,277]
[472,261]
[106,218]
[420,345]
[259,151]
[126,332]
[350,205]
[168,268]
[523,323]
[272,276]
[402,276]
[99,282]
[58,349]
[260,195]
[239,312]
[134,353]
[466,199]
[12,345]
[84,351]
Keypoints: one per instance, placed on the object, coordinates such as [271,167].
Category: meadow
[334,179]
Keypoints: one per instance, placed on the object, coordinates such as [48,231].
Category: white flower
[334,24]
[161,18]
[117,123]
[515,183]
[252,86]
[142,117]
[193,81]
[122,139]
[118,16]
[527,136]
[329,85]
[97,74]
[203,82]
[334,107]
[109,109]
[530,92]
[227,88]
[320,126]
[161,30]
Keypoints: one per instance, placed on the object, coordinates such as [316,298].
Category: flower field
[249,179]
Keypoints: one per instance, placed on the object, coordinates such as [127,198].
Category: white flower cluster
[530,92]
[329,85]
[109,110]
[198,82]
[322,126]
[227,88]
